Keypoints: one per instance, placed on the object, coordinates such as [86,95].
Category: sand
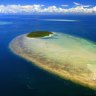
[67,56]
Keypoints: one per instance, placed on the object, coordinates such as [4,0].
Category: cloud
[20,8]
[37,8]
[76,3]
[64,5]
[86,6]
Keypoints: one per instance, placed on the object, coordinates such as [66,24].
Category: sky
[48,6]
[47,2]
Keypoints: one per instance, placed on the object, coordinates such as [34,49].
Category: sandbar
[69,57]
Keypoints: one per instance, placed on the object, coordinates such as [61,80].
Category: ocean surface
[19,77]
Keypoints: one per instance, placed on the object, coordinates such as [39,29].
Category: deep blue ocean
[19,77]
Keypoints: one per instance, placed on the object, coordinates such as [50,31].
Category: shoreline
[41,64]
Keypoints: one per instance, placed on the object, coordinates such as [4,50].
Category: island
[38,34]
[70,57]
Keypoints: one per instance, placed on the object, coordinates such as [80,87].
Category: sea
[19,77]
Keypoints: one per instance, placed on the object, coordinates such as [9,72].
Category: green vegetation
[38,34]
